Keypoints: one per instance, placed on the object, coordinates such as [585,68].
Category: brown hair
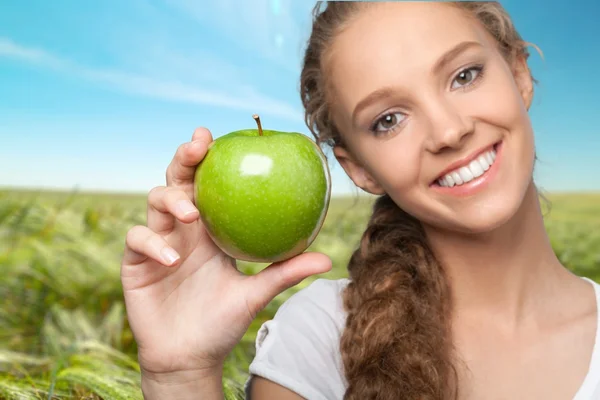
[397,341]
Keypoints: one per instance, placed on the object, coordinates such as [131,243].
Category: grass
[63,331]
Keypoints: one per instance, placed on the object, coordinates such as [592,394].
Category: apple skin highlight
[262,194]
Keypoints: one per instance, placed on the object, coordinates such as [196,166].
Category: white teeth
[484,163]
[457,178]
[465,174]
[476,169]
[488,157]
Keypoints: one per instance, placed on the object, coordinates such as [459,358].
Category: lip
[465,160]
[478,183]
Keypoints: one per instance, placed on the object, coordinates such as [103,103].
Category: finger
[165,205]
[277,277]
[202,134]
[142,243]
[182,168]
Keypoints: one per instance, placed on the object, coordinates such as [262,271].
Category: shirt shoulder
[323,297]
[299,347]
[590,388]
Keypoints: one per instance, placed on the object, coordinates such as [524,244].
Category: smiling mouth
[470,171]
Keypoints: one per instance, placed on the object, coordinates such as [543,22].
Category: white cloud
[246,98]
[12,50]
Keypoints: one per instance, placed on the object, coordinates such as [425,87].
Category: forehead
[393,43]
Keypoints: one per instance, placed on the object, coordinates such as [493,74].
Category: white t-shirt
[299,347]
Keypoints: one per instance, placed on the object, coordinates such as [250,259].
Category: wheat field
[63,331]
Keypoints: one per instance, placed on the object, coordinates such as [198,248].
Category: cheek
[499,106]
[398,166]
[509,112]
[499,103]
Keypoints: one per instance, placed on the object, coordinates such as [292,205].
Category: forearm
[190,386]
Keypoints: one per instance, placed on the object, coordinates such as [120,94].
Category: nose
[449,128]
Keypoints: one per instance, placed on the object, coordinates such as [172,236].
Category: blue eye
[386,123]
[470,75]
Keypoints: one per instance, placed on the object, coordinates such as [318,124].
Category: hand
[187,303]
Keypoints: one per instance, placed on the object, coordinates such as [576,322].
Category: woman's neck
[505,275]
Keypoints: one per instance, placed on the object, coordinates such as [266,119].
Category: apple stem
[257,119]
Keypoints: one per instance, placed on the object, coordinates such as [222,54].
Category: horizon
[358,193]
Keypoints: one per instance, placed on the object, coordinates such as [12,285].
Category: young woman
[454,291]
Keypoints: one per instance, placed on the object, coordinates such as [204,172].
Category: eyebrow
[388,91]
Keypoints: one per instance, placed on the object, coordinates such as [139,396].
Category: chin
[489,201]
[487,216]
[481,214]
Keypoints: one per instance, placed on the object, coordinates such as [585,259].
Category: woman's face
[432,114]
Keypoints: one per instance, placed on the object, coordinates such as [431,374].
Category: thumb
[277,277]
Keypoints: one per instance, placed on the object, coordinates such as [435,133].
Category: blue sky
[100,94]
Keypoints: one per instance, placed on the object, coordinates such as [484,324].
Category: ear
[523,79]
[356,172]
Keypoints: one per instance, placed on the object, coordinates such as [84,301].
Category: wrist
[183,385]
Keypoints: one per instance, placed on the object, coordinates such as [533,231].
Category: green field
[63,331]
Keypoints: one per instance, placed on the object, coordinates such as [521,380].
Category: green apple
[263,194]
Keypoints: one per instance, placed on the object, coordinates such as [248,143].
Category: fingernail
[169,255]
[186,207]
